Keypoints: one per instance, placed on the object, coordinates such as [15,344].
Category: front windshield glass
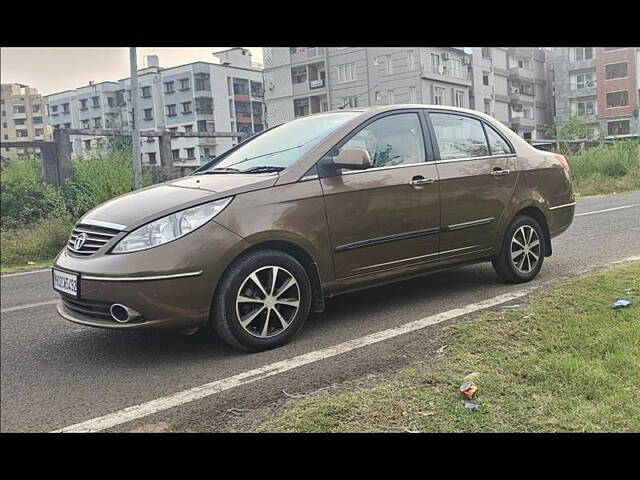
[281,147]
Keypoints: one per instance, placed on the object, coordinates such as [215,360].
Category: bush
[25,198]
[99,178]
[40,242]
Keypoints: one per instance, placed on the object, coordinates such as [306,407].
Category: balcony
[523,122]
[520,73]
[445,74]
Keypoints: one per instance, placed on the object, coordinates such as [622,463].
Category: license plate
[66,282]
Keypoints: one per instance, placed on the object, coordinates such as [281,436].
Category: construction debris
[468,389]
[620,304]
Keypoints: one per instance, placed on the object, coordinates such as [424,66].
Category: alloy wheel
[267,301]
[525,249]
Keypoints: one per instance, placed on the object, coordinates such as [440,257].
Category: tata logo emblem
[79,241]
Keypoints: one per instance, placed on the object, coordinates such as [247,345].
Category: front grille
[88,308]
[96,238]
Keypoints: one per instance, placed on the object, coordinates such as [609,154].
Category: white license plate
[66,282]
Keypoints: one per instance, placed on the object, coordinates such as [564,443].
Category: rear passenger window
[496,143]
[458,136]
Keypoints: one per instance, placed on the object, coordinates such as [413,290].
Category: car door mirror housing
[353,159]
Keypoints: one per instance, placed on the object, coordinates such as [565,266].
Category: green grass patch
[606,168]
[564,362]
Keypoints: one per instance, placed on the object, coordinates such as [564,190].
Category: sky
[53,70]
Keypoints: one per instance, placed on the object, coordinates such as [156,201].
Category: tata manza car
[254,240]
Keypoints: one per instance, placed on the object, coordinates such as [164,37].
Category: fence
[56,154]
[577,146]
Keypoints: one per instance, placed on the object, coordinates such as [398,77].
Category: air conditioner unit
[441,69]
[466,60]
[446,56]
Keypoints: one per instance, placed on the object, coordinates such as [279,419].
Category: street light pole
[135,131]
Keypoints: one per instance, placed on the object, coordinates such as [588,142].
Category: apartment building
[600,83]
[196,97]
[24,117]
[301,81]
[515,86]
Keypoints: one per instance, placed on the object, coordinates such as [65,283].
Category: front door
[387,216]
[478,171]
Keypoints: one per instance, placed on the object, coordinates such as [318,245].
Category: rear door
[477,171]
[387,216]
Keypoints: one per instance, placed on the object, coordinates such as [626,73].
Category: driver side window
[392,140]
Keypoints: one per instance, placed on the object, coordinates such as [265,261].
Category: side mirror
[353,159]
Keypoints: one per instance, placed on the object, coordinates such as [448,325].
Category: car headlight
[171,227]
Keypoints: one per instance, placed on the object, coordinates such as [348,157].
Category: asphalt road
[55,373]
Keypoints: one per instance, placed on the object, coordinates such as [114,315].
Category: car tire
[523,241]
[254,317]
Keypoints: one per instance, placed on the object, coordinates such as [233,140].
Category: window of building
[83,104]
[459,136]
[301,107]
[188,128]
[459,98]
[346,72]
[146,92]
[487,106]
[583,53]
[620,127]
[413,97]
[585,80]
[201,84]
[4,125]
[39,132]
[152,157]
[349,102]
[96,101]
[171,110]
[411,60]
[87,144]
[35,108]
[85,123]
[608,49]
[486,53]
[37,120]
[22,133]
[202,125]
[617,99]
[184,83]
[54,108]
[391,98]
[456,67]
[438,95]
[191,153]
[435,62]
[148,113]
[523,63]
[485,78]
[175,154]
[616,70]
[257,89]
[20,121]
[168,87]
[392,140]
[299,74]
[65,108]
[110,101]
[67,125]
[586,107]
[18,109]
[186,107]
[97,122]
[389,64]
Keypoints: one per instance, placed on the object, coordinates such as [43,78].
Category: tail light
[565,165]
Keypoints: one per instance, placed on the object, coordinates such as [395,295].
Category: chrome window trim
[472,223]
[376,169]
[139,279]
[484,157]
[100,223]
[562,206]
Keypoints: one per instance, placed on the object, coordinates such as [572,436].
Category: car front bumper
[171,286]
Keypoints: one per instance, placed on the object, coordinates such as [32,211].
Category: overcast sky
[53,70]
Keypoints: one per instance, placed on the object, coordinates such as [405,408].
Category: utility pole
[135,132]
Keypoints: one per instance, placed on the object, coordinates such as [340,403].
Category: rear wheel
[522,252]
[263,300]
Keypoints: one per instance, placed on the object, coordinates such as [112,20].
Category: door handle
[500,173]
[416,181]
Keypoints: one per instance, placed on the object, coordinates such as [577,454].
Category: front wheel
[263,300]
[522,252]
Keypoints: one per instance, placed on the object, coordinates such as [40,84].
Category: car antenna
[347,103]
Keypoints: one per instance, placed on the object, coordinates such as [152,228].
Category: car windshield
[281,147]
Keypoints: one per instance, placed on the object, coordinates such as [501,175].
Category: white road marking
[26,273]
[607,210]
[30,305]
[186,396]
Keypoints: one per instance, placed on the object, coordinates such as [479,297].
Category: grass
[565,362]
[606,169]
[39,243]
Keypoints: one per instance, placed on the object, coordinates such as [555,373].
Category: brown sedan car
[254,240]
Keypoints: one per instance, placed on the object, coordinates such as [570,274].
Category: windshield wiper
[219,170]
[264,169]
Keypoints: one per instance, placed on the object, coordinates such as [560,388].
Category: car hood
[142,206]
